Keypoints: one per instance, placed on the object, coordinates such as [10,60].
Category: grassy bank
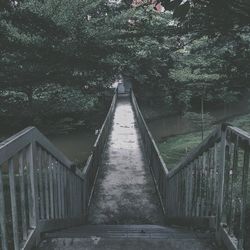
[177,147]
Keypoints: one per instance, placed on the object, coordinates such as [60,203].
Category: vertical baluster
[59,190]
[203,187]
[46,181]
[62,191]
[32,185]
[234,179]
[66,188]
[210,182]
[74,195]
[215,177]
[194,200]
[22,196]
[28,158]
[186,190]
[3,234]
[70,194]
[51,188]
[190,187]
[199,165]
[55,187]
[181,197]
[41,194]
[206,182]
[221,178]
[242,233]
[226,184]
[13,203]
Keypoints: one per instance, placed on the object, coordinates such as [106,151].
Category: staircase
[124,237]
[47,203]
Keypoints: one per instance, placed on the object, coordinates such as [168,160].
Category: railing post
[32,157]
[242,232]
[221,180]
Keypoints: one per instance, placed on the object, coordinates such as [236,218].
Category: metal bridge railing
[212,182]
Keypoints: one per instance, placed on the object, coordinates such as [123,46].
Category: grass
[177,147]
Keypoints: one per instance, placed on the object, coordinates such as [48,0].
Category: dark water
[76,145]
[177,124]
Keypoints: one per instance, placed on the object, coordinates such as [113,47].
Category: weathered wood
[3,234]
[22,195]
[41,189]
[245,181]
[46,181]
[51,188]
[13,204]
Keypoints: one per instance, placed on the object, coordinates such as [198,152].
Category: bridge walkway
[124,192]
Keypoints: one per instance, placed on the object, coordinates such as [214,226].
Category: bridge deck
[125,192]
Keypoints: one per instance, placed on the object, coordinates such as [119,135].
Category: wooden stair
[112,237]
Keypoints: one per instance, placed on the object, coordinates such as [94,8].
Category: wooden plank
[22,196]
[3,233]
[55,188]
[45,163]
[51,188]
[221,179]
[63,191]
[13,203]
[58,172]
[215,177]
[243,232]
[233,181]
[41,189]
[32,186]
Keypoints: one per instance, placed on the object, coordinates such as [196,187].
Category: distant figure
[121,88]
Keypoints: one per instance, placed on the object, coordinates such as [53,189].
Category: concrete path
[125,192]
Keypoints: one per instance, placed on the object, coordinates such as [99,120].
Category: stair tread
[127,237]
[126,231]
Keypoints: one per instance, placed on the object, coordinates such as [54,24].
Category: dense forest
[60,57]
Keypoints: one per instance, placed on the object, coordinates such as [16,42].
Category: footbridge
[125,197]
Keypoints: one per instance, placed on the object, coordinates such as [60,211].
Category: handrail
[156,164]
[207,143]
[42,186]
[91,169]
[39,185]
[213,181]
[210,183]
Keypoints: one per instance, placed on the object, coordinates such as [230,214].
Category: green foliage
[88,44]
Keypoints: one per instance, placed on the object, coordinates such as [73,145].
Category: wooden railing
[157,166]
[212,182]
[90,171]
[39,191]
